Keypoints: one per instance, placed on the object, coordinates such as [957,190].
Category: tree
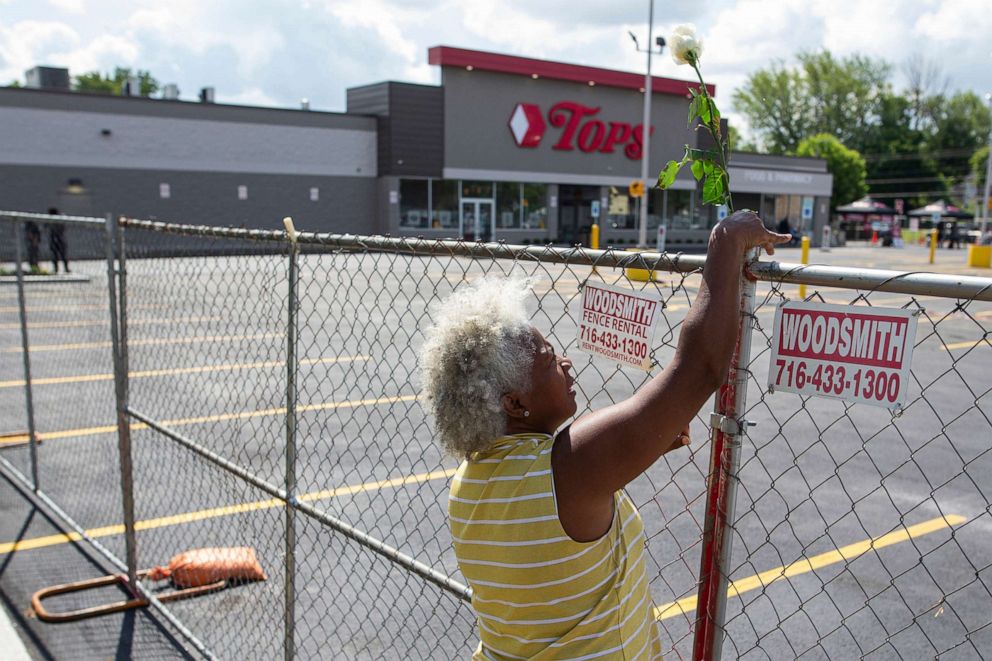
[846,165]
[897,166]
[735,142]
[94,81]
[925,80]
[821,94]
[14,83]
[961,127]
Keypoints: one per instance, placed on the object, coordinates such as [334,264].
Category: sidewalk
[133,634]
[11,644]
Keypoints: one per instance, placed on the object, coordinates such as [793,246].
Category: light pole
[988,175]
[642,236]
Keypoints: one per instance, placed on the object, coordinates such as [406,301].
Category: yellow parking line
[963,345]
[217,512]
[806,565]
[81,323]
[145,342]
[87,378]
[199,420]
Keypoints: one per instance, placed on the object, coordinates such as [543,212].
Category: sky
[277,52]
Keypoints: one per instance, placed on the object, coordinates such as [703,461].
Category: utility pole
[642,236]
[988,175]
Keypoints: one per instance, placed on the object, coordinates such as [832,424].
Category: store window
[680,209]
[477,189]
[413,202]
[534,203]
[656,208]
[444,204]
[621,211]
[508,206]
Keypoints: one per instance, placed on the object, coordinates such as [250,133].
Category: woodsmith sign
[858,354]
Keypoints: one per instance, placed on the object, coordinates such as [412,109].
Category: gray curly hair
[480,347]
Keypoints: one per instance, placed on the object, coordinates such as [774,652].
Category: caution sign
[850,353]
[618,324]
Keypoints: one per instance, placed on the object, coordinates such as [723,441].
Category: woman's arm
[604,450]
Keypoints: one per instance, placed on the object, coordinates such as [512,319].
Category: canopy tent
[867,207]
[944,209]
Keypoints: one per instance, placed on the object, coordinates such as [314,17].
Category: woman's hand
[746,231]
[680,441]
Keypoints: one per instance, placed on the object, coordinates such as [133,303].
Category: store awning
[943,208]
[868,207]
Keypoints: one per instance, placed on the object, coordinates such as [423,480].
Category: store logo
[579,128]
[527,125]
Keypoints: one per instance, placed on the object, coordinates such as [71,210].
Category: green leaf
[698,169]
[667,176]
[703,154]
[694,108]
[713,190]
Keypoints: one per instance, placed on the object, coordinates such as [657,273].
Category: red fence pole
[721,497]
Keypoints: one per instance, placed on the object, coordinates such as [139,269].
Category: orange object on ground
[874,238]
[198,567]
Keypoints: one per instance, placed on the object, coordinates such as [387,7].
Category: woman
[544,534]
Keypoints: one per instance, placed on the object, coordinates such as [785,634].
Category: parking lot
[858,532]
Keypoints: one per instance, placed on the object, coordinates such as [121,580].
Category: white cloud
[26,44]
[69,6]
[186,25]
[252,96]
[101,54]
[957,21]
[279,52]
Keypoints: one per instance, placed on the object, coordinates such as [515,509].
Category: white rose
[686,46]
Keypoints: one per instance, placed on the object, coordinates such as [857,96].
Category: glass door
[478,219]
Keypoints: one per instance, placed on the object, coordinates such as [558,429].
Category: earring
[526,413]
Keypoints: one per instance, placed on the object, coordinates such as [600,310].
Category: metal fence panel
[866,526]
[68,324]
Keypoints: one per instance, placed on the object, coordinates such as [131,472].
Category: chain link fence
[67,324]
[273,401]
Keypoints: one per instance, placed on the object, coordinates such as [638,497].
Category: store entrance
[575,213]
[477,219]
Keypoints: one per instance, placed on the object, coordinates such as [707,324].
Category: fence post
[118,341]
[721,498]
[22,313]
[291,367]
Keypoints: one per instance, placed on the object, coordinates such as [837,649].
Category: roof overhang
[447,56]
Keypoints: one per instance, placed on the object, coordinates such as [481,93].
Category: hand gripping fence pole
[118,341]
[22,312]
[727,430]
[291,367]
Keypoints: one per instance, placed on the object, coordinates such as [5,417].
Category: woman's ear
[513,407]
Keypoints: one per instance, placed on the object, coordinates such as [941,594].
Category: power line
[920,155]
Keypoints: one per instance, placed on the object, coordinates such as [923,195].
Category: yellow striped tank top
[538,594]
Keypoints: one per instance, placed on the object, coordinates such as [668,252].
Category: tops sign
[579,128]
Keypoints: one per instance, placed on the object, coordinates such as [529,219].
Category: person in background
[32,235]
[56,243]
[955,236]
[543,531]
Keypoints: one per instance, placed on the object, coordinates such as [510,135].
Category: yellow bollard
[933,243]
[805,260]
[594,240]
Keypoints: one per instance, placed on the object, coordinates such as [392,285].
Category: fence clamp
[728,425]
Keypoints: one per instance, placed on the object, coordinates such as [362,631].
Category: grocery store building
[506,148]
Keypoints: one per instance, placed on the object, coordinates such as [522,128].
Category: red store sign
[579,127]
